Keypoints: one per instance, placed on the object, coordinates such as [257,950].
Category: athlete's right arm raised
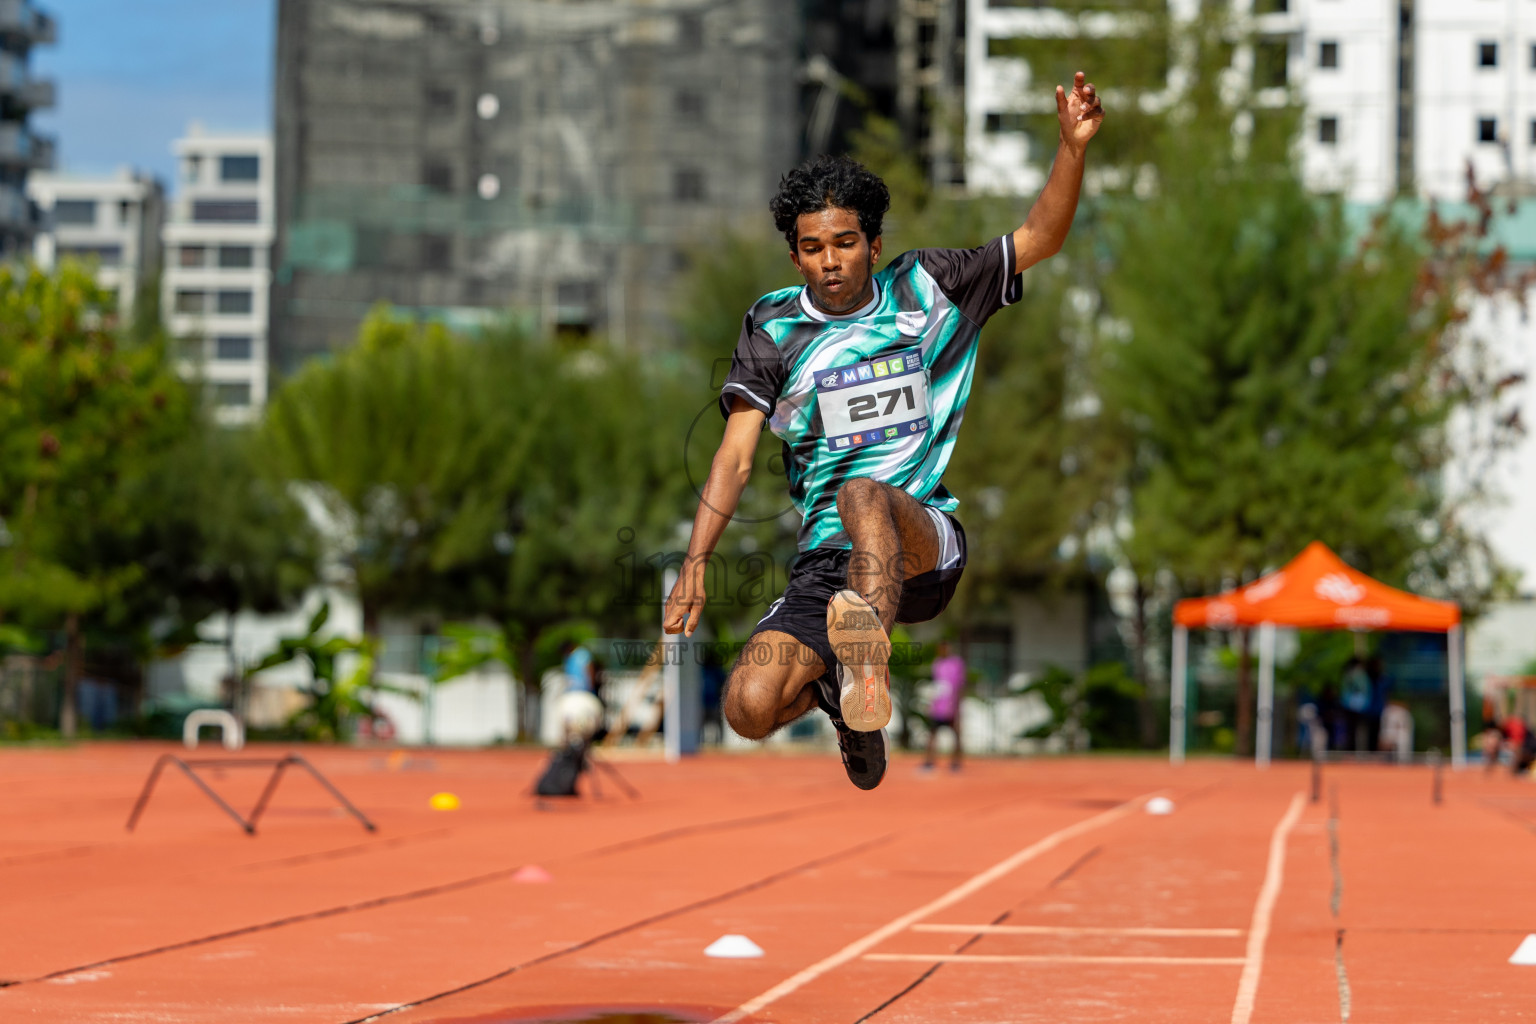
[728,476]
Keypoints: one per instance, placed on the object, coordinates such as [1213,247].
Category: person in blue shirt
[864,376]
[579,671]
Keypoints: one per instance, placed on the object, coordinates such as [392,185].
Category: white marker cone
[734,947]
[1525,956]
[1159,805]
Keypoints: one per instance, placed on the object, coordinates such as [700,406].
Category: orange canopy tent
[1317,590]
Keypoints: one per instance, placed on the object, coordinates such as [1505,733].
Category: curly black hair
[830,182]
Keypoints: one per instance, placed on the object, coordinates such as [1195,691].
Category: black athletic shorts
[821,572]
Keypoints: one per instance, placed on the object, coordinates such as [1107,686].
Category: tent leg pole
[1177,685]
[1264,739]
[1457,687]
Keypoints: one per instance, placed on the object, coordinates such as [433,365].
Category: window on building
[232,394]
[437,176]
[690,103]
[224,211]
[191,168]
[1533,133]
[1270,57]
[124,212]
[236,257]
[441,99]
[1487,129]
[74,211]
[192,255]
[688,185]
[106,255]
[1005,121]
[235,301]
[1533,56]
[233,347]
[1487,55]
[1328,54]
[239,167]
[436,252]
[1328,130]
[190,349]
[191,301]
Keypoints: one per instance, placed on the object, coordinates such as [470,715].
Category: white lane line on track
[1046,929]
[983,958]
[1258,931]
[979,881]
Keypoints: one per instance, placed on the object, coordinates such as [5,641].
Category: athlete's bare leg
[893,540]
[771,685]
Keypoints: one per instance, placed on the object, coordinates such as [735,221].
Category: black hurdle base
[277,764]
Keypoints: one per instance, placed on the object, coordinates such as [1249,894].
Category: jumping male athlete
[865,377]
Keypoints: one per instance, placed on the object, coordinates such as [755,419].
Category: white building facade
[112,224]
[1398,96]
[217,280]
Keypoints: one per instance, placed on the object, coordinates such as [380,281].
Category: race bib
[875,401]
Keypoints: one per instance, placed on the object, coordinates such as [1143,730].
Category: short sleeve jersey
[877,393]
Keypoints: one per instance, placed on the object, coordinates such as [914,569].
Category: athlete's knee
[859,493]
[750,704]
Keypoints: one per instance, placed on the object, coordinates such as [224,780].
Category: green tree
[410,441]
[219,536]
[501,476]
[1272,375]
[83,414]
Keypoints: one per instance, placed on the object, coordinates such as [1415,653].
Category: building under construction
[556,160]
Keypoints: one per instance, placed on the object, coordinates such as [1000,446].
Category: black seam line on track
[281,922]
[644,922]
[344,851]
[314,915]
[1520,819]
[1068,872]
[1336,897]
[709,826]
[1334,902]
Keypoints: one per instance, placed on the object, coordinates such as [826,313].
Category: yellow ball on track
[444,802]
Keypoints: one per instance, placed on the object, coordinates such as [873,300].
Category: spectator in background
[944,709]
[1355,699]
[1381,689]
[580,673]
[1512,734]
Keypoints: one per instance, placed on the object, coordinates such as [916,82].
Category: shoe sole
[862,645]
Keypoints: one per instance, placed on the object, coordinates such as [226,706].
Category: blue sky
[132,73]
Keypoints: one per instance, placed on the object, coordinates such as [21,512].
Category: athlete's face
[835,259]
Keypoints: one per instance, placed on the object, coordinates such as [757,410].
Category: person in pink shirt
[944,709]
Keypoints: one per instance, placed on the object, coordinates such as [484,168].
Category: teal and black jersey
[876,393]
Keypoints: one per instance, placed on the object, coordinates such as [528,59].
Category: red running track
[1018,890]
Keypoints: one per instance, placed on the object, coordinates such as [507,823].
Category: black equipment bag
[564,768]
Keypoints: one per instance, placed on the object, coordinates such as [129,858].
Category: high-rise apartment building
[22,26]
[464,160]
[1398,94]
[1475,95]
[217,279]
[112,223]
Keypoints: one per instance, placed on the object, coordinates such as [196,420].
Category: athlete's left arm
[1045,229]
